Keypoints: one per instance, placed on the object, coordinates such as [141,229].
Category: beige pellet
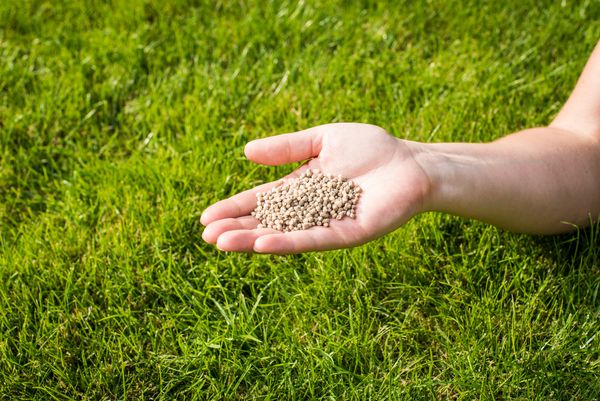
[313,199]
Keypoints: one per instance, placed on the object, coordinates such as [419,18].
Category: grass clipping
[313,199]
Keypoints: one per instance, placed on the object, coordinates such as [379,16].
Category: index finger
[238,205]
[243,203]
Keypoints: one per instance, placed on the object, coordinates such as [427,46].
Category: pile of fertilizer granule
[312,199]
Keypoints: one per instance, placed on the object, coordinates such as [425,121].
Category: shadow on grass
[579,250]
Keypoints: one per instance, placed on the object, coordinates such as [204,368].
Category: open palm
[393,184]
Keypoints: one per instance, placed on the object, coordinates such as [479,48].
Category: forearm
[541,180]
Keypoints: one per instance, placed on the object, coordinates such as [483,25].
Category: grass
[120,121]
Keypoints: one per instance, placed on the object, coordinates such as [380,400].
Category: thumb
[285,148]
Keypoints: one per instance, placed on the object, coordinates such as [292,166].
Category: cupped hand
[394,187]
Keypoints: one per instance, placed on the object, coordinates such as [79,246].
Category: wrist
[450,170]
[428,166]
[429,162]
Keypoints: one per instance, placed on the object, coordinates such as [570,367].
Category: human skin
[543,180]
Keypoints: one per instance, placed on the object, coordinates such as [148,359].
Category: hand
[394,187]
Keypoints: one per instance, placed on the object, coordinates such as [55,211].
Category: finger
[313,239]
[243,203]
[241,240]
[216,228]
[238,205]
[285,148]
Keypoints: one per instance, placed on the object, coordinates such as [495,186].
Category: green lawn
[120,121]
